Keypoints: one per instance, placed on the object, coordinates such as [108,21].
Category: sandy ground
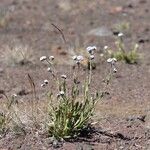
[123,115]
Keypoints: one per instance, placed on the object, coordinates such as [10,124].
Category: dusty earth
[124,115]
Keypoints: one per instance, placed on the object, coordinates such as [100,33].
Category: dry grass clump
[17,54]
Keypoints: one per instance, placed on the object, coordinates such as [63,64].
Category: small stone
[100,31]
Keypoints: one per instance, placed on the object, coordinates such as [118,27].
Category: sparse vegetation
[77,98]
[17,54]
[75,106]
[122,54]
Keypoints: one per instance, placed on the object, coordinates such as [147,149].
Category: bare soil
[123,116]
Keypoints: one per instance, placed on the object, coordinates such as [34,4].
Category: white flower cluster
[45,82]
[91,49]
[43,58]
[78,58]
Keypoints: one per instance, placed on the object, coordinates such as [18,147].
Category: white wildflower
[49,69]
[14,95]
[80,58]
[51,57]
[61,92]
[91,49]
[46,81]
[114,70]
[91,57]
[43,58]
[63,76]
[43,85]
[105,47]
[74,57]
[120,34]
[111,60]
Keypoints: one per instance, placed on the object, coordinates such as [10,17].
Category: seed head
[43,58]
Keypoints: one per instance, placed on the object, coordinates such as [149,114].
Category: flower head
[43,85]
[80,58]
[42,58]
[114,70]
[61,93]
[74,57]
[91,49]
[46,81]
[63,76]
[105,47]
[51,57]
[120,34]
[91,57]
[111,60]
[14,95]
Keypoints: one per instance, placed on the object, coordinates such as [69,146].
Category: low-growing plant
[73,110]
[131,57]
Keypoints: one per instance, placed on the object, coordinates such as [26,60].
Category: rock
[101,32]
[116,10]
[65,5]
